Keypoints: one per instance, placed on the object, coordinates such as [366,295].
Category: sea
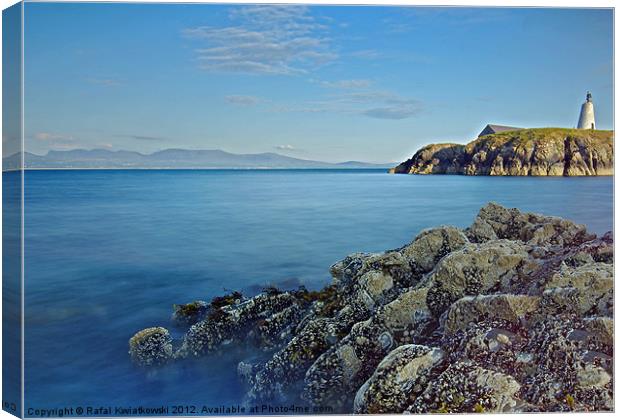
[108,253]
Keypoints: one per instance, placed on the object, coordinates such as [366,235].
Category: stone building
[493,129]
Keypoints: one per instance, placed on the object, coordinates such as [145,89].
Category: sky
[331,83]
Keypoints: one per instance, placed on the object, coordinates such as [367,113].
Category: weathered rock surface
[443,158]
[151,346]
[404,373]
[513,314]
[473,309]
[531,152]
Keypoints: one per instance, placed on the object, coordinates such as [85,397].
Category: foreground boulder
[466,388]
[403,374]
[151,346]
[512,314]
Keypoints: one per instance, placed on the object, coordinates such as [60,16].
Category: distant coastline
[370,168]
[171,159]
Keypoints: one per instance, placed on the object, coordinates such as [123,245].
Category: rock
[333,378]
[232,322]
[602,327]
[447,158]
[566,358]
[346,270]
[503,389]
[475,269]
[278,327]
[407,313]
[466,388]
[591,376]
[510,308]
[398,379]
[527,152]
[394,264]
[431,245]
[375,283]
[494,221]
[513,314]
[289,364]
[151,346]
[590,287]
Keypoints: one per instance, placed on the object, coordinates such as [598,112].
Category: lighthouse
[586,116]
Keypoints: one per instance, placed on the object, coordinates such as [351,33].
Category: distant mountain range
[171,159]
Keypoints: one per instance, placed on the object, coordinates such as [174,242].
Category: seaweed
[330,296]
[229,299]
[272,291]
[189,309]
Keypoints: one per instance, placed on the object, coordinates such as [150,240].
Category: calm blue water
[108,253]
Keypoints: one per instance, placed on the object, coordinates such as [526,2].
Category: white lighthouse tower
[586,116]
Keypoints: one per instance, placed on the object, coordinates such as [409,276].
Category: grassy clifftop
[529,152]
[543,136]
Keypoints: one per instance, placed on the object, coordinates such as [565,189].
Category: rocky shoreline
[513,314]
[527,152]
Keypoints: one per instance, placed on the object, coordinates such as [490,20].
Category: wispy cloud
[45,136]
[397,27]
[393,112]
[365,54]
[242,100]
[285,147]
[347,84]
[453,16]
[105,82]
[142,137]
[267,40]
[63,146]
[376,96]
[56,141]
[373,104]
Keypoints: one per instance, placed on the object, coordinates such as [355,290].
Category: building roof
[494,128]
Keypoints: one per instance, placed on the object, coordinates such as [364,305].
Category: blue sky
[332,83]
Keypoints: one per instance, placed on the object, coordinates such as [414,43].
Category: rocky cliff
[535,152]
[513,314]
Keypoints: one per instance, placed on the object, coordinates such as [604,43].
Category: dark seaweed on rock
[513,314]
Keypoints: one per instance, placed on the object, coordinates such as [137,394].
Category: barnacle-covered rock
[494,344]
[592,284]
[466,388]
[433,244]
[567,359]
[497,222]
[515,314]
[475,269]
[394,264]
[407,316]
[346,270]
[335,376]
[473,309]
[340,371]
[227,323]
[151,346]
[602,328]
[278,327]
[289,364]
[399,378]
